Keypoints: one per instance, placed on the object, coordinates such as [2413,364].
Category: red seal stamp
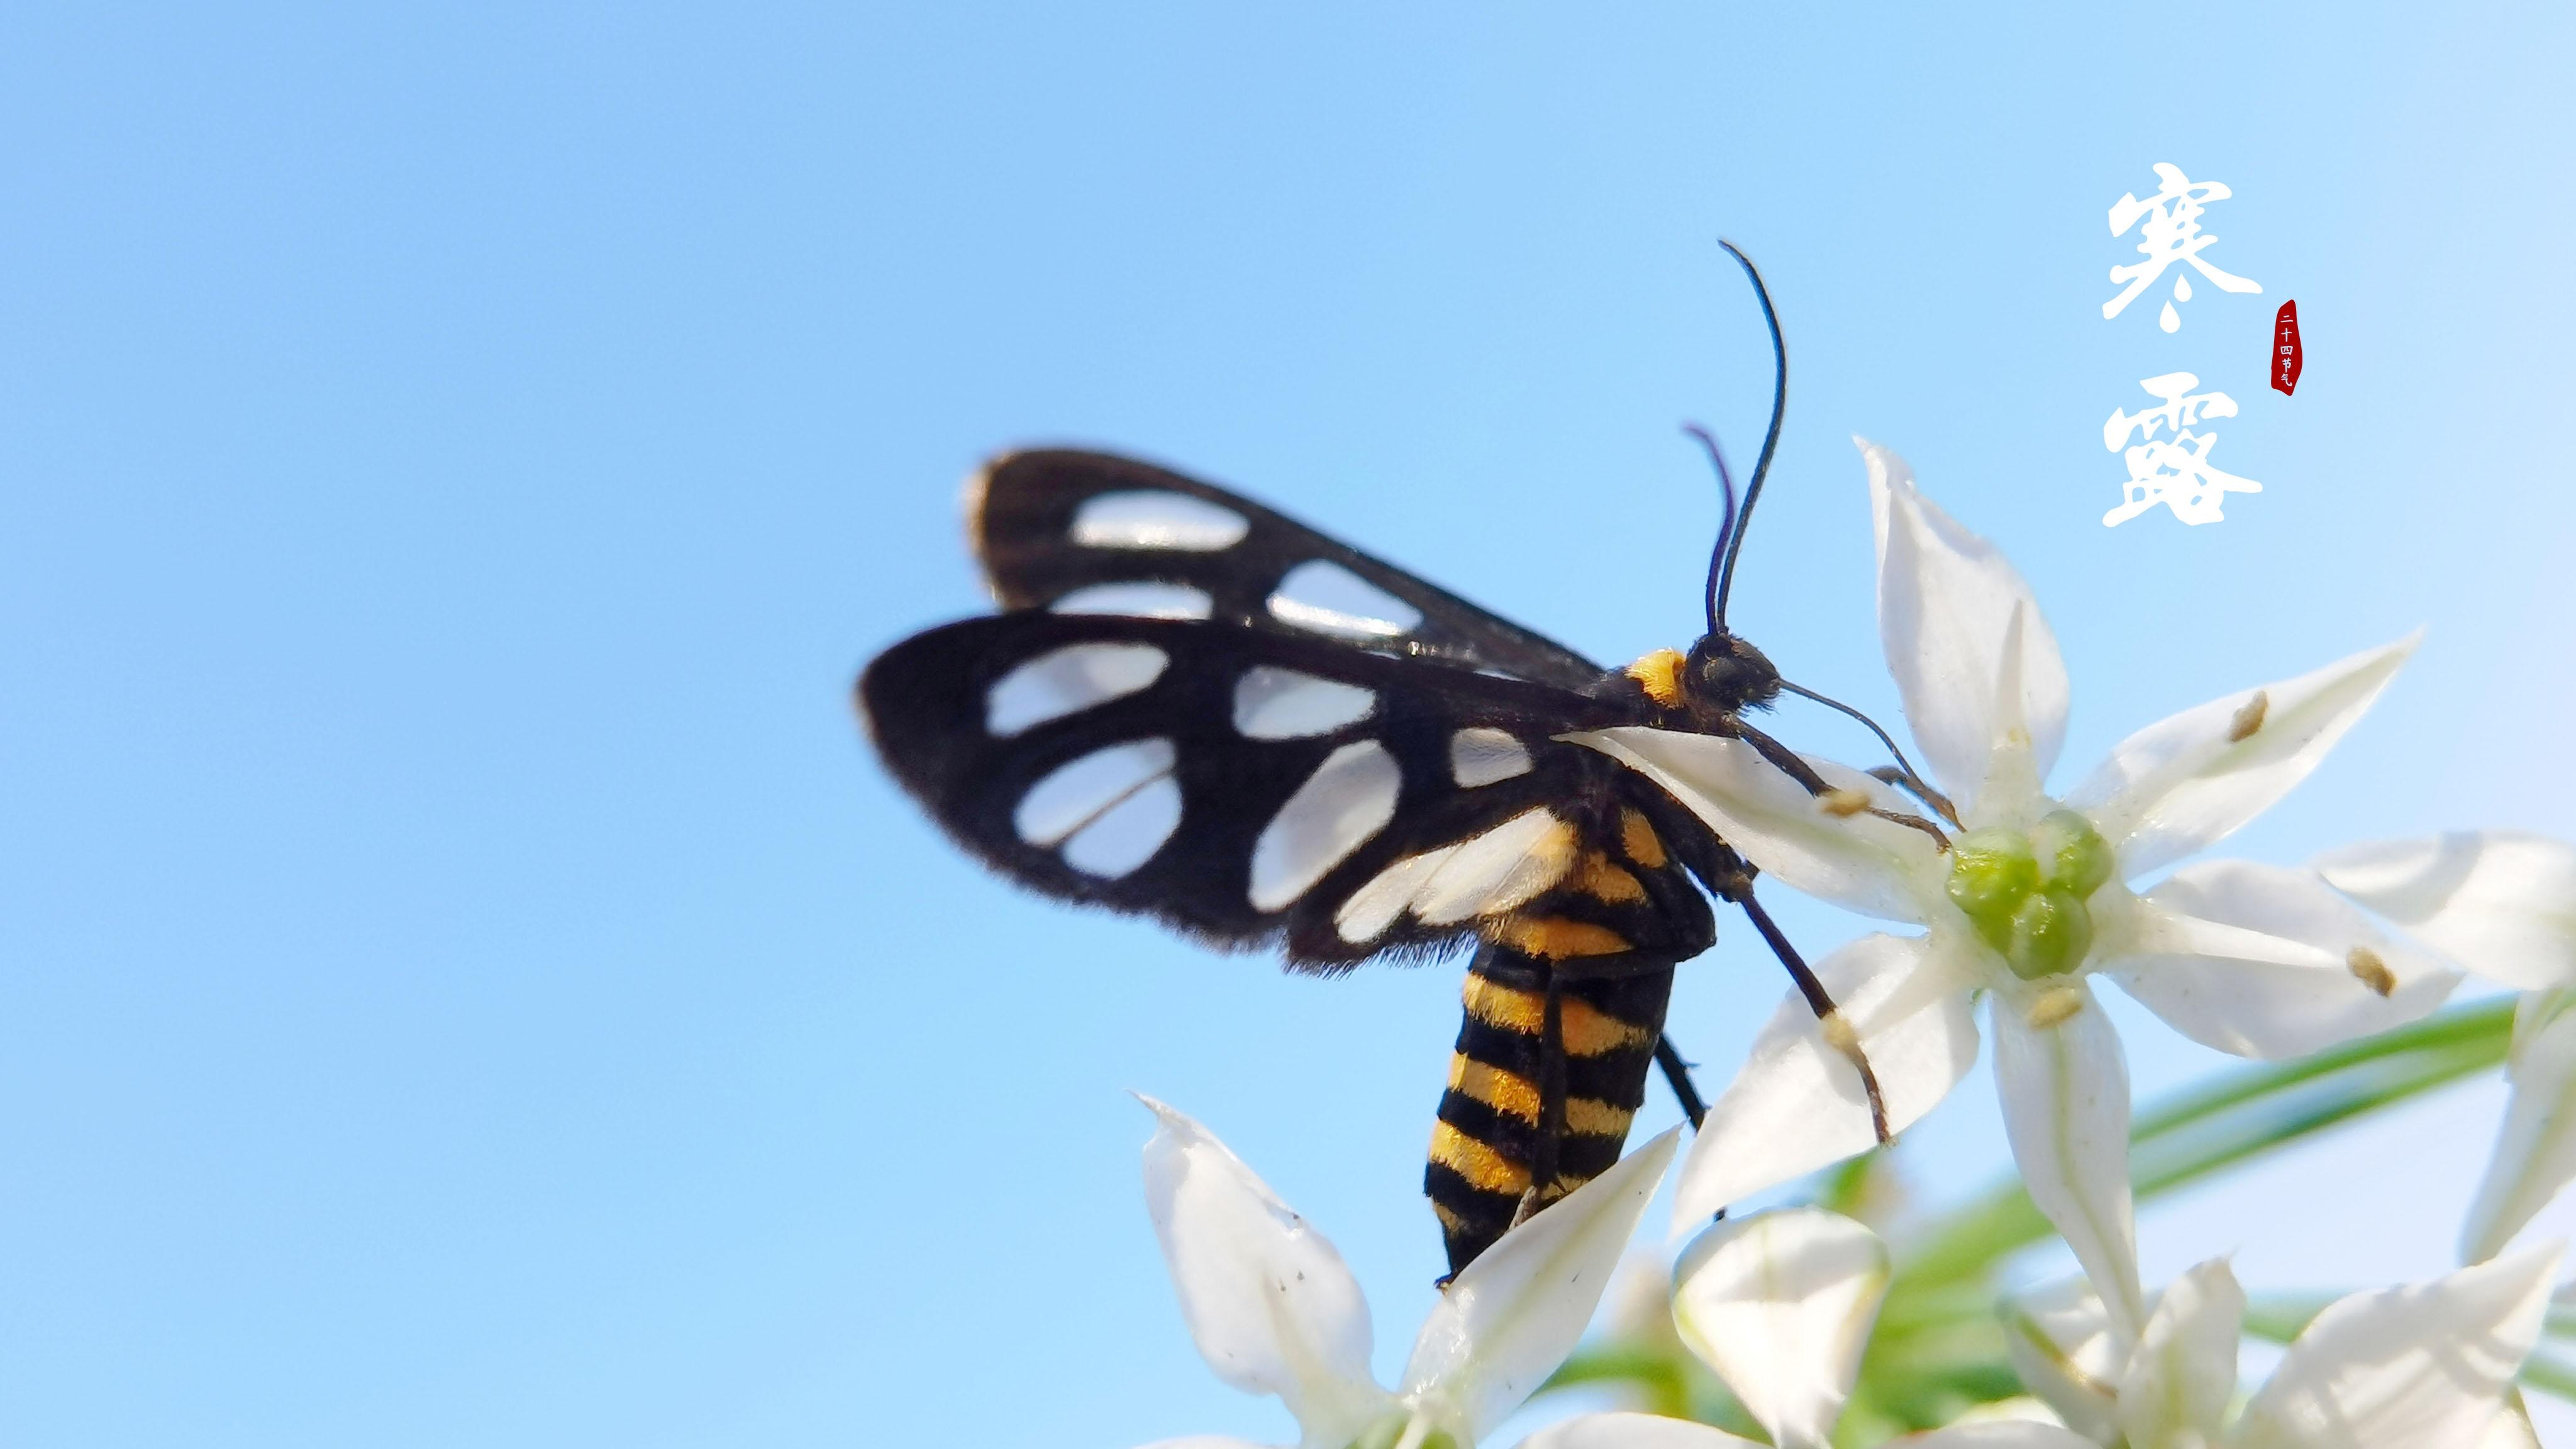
[2286,358]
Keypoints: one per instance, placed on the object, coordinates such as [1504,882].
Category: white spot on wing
[1127,834]
[1483,875]
[1066,680]
[1327,598]
[1086,791]
[1494,872]
[1483,755]
[1139,600]
[1150,518]
[1349,798]
[1283,704]
[1373,907]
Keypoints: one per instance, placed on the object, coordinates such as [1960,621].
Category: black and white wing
[1249,785]
[1079,532]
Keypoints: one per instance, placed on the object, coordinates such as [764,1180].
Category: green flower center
[2025,893]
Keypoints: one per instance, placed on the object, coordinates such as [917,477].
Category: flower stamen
[1842,804]
[2056,1005]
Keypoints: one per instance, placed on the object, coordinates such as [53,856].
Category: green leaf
[1938,1348]
[2240,1114]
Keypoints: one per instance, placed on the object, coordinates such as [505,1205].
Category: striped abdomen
[1488,1142]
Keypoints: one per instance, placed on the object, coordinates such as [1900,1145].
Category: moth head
[1724,674]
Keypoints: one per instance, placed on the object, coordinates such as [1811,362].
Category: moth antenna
[1725,516]
[1770,439]
[1912,779]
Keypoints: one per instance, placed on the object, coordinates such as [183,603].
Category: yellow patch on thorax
[1660,673]
[1638,838]
[1481,1165]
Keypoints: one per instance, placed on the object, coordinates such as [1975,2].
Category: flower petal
[1780,1304]
[2405,1367]
[1510,1317]
[1946,599]
[1633,1431]
[2183,1374]
[1997,1434]
[2511,1429]
[2065,1088]
[2186,781]
[2267,962]
[1858,861]
[2060,1342]
[2535,1151]
[2500,902]
[1266,1297]
[1798,1105]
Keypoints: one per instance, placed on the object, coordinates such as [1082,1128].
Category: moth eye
[1138,600]
[1271,703]
[1067,681]
[1349,798]
[1326,598]
[1154,519]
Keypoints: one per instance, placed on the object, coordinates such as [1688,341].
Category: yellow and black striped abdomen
[1488,1140]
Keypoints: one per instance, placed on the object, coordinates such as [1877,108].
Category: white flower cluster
[2023,899]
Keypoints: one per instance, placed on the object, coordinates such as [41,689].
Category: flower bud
[2072,853]
[1991,870]
[2050,933]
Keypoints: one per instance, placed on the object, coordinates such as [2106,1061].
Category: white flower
[1274,1310]
[1780,1305]
[2027,898]
[2428,1364]
[2502,904]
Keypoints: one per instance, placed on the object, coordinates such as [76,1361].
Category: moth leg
[1786,761]
[1551,1106]
[1677,1076]
[1829,1018]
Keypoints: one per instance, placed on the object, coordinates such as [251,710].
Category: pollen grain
[2242,725]
[2373,972]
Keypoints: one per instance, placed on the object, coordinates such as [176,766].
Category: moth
[1197,709]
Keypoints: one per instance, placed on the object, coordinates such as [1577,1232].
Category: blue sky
[463,977]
